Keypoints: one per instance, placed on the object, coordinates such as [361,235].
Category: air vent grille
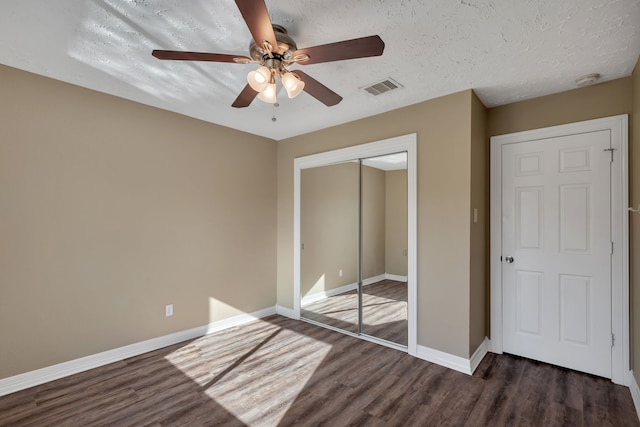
[384,86]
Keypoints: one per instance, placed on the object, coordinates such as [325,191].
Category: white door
[556,266]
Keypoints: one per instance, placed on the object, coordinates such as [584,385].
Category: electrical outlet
[340,272]
[168,310]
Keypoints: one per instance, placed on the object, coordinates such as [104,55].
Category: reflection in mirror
[353,255]
[384,248]
[329,245]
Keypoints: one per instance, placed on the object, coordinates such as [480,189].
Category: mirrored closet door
[384,247]
[353,251]
[329,245]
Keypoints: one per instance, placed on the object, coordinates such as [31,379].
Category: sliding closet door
[353,246]
[329,224]
[384,247]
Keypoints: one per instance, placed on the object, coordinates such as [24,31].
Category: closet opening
[355,241]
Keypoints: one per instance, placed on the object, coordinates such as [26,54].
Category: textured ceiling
[506,50]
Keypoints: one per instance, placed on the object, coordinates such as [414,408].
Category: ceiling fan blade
[348,49]
[256,16]
[318,90]
[196,56]
[245,98]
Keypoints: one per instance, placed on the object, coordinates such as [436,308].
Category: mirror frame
[398,144]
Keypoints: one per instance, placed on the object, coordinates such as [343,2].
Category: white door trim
[618,126]
[406,143]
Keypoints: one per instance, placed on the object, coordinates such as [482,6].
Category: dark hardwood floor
[281,372]
[384,311]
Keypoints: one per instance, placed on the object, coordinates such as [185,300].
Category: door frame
[618,128]
[406,143]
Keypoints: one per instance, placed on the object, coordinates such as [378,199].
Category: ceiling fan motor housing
[284,50]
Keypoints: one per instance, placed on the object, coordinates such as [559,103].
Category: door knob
[509,259]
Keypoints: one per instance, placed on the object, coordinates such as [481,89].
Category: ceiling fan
[274,50]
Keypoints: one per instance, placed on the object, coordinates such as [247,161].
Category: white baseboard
[286,312]
[374,279]
[457,363]
[310,299]
[479,354]
[635,392]
[239,320]
[40,376]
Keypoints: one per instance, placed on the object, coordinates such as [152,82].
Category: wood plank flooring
[384,311]
[281,372]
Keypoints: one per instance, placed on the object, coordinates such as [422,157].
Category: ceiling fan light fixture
[292,84]
[269,94]
[274,50]
[259,79]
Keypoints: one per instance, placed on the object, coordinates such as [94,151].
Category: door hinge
[612,248]
[613,340]
[610,150]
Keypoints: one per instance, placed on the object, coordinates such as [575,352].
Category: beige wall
[373,222]
[396,222]
[634,223]
[110,209]
[478,280]
[593,102]
[443,128]
[329,227]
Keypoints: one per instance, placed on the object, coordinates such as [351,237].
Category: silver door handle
[509,259]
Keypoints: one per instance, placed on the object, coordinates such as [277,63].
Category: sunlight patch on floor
[212,362]
[250,402]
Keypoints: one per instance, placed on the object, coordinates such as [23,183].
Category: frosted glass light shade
[269,94]
[292,84]
[259,79]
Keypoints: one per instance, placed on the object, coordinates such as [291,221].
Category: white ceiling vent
[382,87]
